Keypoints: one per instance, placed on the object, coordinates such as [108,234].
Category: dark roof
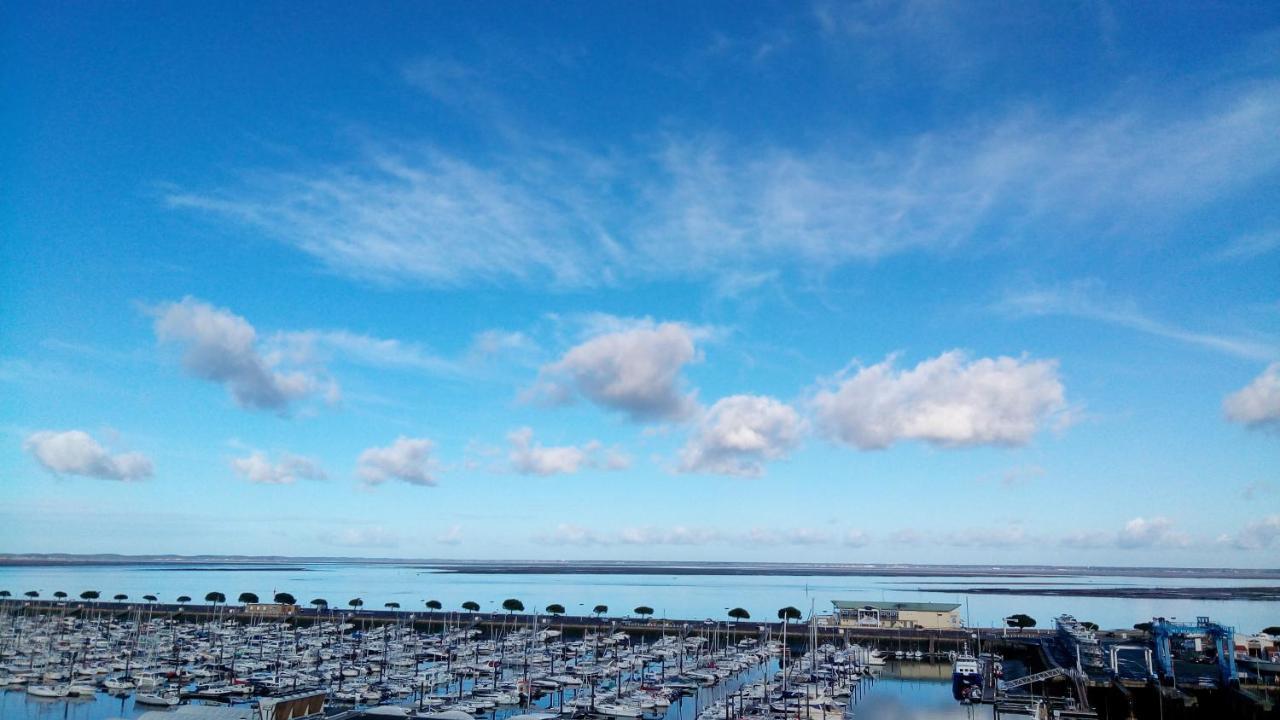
[899,606]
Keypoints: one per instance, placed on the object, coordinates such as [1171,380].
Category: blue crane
[1222,637]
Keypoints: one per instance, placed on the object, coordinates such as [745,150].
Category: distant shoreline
[213,563]
[1255,594]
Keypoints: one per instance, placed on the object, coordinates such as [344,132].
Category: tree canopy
[1273,630]
[120,597]
[184,599]
[285,598]
[320,603]
[247,597]
[512,605]
[434,605]
[739,614]
[600,609]
[60,594]
[32,594]
[1090,625]
[89,595]
[643,610]
[215,598]
[555,609]
[471,605]
[355,602]
[1020,620]
[788,613]
[391,605]
[150,598]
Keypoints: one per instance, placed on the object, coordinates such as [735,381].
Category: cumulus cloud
[75,452]
[530,458]
[635,371]
[222,347]
[1088,539]
[1141,532]
[949,401]
[407,459]
[1256,535]
[987,537]
[739,434]
[677,535]
[792,536]
[256,467]
[570,534]
[374,536]
[1258,403]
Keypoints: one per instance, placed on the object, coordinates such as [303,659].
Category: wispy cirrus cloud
[1089,299]
[702,205]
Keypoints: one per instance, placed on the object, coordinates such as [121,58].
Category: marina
[455,664]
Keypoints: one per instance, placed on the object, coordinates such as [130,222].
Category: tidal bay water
[684,597]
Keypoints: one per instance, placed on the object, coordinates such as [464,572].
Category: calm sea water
[671,596]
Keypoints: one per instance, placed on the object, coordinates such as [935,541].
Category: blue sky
[867,282]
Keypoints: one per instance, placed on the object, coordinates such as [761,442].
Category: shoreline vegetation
[214,563]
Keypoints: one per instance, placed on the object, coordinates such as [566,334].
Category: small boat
[48,691]
[155,700]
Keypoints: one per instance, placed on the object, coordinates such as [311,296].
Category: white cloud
[407,459]
[907,536]
[856,539]
[319,346]
[1088,539]
[570,534]
[451,536]
[1088,299]
[739,434]
[792,536]
[222,347]
[531,458]
[256,467]
[374,536]
[1021,475]
[677,535]
[988,537]
[1258,403]
[1257,535]
[551,213]
[1155,532]
[635,371]
[948,401]
[75,452]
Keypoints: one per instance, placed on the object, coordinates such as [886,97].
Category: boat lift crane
[1222,636]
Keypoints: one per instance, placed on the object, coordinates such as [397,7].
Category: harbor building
[922,615]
